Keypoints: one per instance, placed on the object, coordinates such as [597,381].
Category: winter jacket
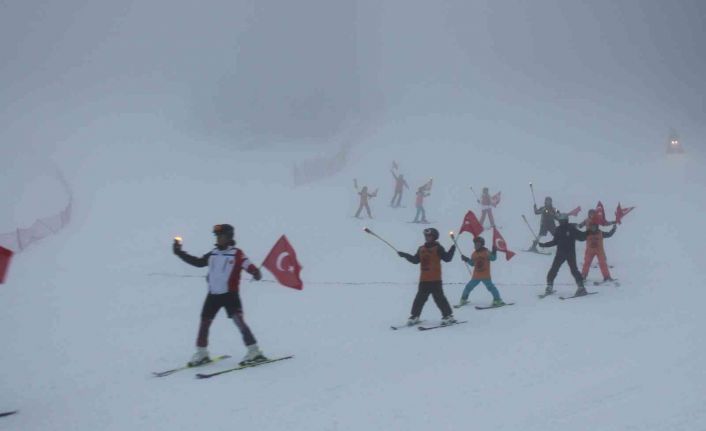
[224,268]
[430,256]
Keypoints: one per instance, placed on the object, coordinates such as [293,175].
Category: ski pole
[453,238]
[475,194]
[534,200]
[366,230]
[530,227]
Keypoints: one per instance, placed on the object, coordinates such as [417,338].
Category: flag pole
[530,228]
[453,238]
[368,231]
[534,200]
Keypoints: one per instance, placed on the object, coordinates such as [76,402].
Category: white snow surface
[90,312]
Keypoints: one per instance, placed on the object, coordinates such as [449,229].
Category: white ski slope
[89,313]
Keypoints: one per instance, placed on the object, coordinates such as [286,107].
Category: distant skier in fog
[400,185]
[364,200]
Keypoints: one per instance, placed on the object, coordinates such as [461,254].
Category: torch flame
[177,239]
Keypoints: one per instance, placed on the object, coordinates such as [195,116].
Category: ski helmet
[432,232]
[224,229]
[480,240]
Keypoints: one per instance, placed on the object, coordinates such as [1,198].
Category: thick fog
[274,71]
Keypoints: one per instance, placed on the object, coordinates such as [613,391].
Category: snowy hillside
[89,313]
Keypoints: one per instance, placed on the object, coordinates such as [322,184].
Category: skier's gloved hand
[466,259]
[176,247]
[401,253]
[257,275]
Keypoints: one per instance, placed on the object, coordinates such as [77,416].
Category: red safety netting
[21,238]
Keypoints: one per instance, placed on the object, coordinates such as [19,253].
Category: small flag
[282,263]
[501,245]
[471,224]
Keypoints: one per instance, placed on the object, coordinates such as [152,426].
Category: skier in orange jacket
[594,248]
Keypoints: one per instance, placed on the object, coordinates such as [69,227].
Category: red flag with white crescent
[501,245]
[5,256]
[599,218]
[282,263]
[621,212]
[574,212]
[495,199]
[471,224]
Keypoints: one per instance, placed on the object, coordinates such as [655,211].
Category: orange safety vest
[429,263]
[481,264]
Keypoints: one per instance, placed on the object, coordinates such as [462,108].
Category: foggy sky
[276,70]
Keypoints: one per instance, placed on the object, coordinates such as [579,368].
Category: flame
[177,239]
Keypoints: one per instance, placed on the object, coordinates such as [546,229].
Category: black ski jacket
[565,237]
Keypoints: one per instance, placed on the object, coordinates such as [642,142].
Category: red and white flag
[599,218]
[282,263]
[5,256]
[495,199]
[621,212]
[501,245]
[428,184]
[471,224]
[574,212]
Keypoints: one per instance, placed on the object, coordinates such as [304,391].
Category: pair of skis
[217,359]
[544,295]
[426,328]
[484,307]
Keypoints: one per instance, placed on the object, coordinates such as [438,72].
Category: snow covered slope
[89,313]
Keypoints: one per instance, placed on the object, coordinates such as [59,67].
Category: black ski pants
[559,259]
[231,302]
[436,290]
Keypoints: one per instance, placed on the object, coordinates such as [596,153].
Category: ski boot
[581,291]
[413,320]
[549,290]
[253,356]
[498,303]
[448,320]
[199,358]
[463,302]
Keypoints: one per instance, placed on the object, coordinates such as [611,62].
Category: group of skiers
[400,185]
[225,263]
[565,234]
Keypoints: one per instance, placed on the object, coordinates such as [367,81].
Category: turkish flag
[495,199]
[5,256]
[282,263]
[620,212]
[471,224]
[574,212]
[599,218]
[501,245]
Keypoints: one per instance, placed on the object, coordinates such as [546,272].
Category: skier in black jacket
[565,237]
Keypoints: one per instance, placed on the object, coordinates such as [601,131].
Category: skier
[547,223]
[565,237]
[419,204]
[364,198]
[480,261]
[224,265]
[487,205]
[430,256]
[400,185]
[594,248]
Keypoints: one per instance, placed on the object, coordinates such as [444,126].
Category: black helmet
[432,232]
[224,229]
[479,239]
